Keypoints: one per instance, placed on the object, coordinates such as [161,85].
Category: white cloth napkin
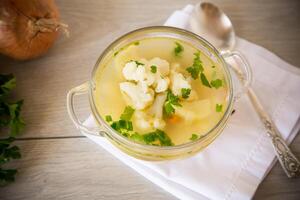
[233,166]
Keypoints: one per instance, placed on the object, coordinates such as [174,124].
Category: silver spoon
[210,21]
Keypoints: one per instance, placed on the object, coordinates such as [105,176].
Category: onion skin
[28,28]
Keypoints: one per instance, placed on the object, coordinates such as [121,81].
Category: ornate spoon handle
[287,159]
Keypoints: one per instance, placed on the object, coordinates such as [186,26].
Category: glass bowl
[237,75]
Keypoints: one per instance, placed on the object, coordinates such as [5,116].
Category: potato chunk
[195,110]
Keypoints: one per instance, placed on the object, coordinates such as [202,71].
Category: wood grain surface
[69,166]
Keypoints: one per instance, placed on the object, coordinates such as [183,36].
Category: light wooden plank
[75,169]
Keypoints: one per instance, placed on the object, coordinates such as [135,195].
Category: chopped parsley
[197,66]
[153,69]
[171,101]
[194,137]
[136,43]
[216,83]
[127,114]
[124,127]
[108,118]
[185,92]
[138,63]
[197,69]
[219,107]
[137,137]
[204,80]
[116,53]
[178,49]
[157,136]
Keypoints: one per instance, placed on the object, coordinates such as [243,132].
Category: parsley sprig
[185,92]
[9,117]
[171,101]
[197,66]
[197,70]
[178,49]
[155,138]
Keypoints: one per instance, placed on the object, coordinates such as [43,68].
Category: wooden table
[59,163]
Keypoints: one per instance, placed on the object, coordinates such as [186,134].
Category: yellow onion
[28,28]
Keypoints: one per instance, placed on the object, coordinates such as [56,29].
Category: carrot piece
[174,119]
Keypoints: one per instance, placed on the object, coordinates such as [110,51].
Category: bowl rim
[152,148]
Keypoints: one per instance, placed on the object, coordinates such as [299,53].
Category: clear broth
[109,100]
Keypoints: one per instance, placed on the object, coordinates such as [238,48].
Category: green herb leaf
[204,80]
[137,137]
[163,138]
[153,69]
[171,101]
[8,153]
[149,137]
[219,107]
[9,116]
[138,63]
[157,137]
[108,118]
[216,83]
[213,66]
[7,176]
[116,53]
[7,83]
[136,43]
[16,122]
[194,137]
[185,92]
[127,113]
[178,49]
[197,66]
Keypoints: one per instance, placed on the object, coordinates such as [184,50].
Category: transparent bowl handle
[80,90]
[243,71]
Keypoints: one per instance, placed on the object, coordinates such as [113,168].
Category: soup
[161,91]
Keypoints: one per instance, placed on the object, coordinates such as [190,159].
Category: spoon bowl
[213,24]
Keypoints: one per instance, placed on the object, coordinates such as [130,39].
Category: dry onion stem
[28,28]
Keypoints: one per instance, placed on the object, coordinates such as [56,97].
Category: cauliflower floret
[156,108]
[162,84]
[139,97]
[134,72]
[129,71]
[150,80]
[175,67]
[159,123]
[178,81]
[163,67]
[152,118]
[142,121]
